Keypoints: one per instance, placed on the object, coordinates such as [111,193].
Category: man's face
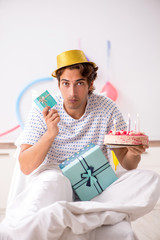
[74,89]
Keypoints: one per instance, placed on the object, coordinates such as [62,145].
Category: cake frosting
[126,138]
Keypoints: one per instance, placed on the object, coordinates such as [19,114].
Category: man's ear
[91,85]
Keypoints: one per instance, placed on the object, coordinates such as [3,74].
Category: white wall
[33,32]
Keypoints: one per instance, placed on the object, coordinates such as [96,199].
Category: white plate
[120,145]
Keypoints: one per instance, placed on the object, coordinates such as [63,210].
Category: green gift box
[89,172]
[45,99]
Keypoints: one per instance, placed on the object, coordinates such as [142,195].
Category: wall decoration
[18,104]
[115,160]
[110,90]
[9,131]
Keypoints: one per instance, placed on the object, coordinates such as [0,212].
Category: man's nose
[72,90]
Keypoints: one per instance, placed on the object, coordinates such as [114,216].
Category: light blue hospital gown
[74,134]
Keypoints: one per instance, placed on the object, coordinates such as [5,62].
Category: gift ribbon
[76,155]
[43,100]
[86,167]
[88,175]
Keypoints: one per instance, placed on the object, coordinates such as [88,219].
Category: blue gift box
[89,172]
[45,99]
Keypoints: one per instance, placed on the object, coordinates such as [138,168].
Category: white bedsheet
[36,212]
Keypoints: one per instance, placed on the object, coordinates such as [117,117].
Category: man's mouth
[73,100]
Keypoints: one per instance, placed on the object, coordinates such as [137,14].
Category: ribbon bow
[88,175]
[43,100]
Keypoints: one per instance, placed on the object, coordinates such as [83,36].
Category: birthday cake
[125,138]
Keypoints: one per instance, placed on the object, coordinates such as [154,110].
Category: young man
[74,114]
[79,118]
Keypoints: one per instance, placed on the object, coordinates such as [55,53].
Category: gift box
[45,99]
[89,172]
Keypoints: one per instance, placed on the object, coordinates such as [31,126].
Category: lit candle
[127,127]
[138,123]
[129,122]
[135,126]
[114,126]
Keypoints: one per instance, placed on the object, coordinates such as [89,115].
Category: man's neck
[74,113]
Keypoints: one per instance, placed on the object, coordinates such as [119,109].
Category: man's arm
[32,156]
[129,157]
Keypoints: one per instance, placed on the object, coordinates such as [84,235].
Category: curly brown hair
[86,70]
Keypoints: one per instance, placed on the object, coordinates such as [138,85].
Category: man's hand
[137,150]
[129,157]
[52,119]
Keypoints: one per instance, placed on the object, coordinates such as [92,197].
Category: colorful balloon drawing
[9,131]
[115,160]
[110,90]
[18,104]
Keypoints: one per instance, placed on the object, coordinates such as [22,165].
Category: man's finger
[45,111]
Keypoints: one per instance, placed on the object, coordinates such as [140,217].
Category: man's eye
[65,83]
[80,83]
